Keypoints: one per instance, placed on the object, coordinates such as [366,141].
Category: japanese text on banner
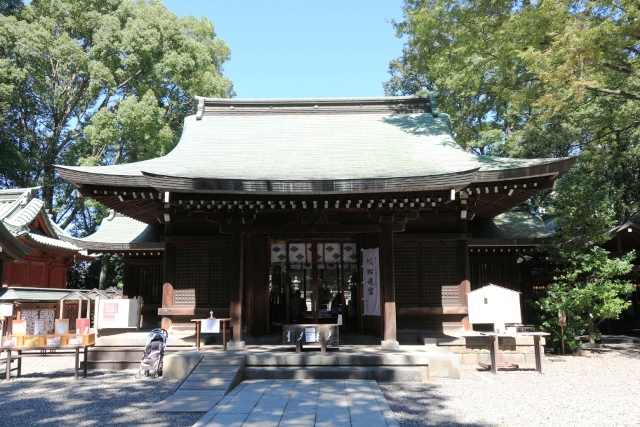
[371,284]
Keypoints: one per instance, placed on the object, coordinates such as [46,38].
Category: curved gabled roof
[314,146]
[19,208]
[10,247]
[118,232]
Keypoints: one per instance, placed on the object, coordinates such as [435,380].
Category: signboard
[117,313]
[494,304]
[19,327]
[39,327]
[371,282]
[210,325]
[82,325]
[62,326]
[6,310]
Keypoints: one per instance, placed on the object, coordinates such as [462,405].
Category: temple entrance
[313,282]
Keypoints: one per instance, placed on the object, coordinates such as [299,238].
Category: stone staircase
[210,374]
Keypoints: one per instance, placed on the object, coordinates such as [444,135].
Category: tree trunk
[592,331]
[102,282]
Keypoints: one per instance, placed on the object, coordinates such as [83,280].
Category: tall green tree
[96,82]
[533,78]
[528,78]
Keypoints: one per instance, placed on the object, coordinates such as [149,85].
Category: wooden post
[465,283]
[388,283]
[169,273]
[237,280]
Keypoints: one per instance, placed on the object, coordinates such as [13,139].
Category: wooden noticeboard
[118,313]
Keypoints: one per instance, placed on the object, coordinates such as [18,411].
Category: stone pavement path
[302,403]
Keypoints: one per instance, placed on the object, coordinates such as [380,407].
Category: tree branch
[71,216]
[621,93]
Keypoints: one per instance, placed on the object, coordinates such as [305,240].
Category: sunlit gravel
[599,390]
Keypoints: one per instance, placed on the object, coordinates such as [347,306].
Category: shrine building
[262,199]
[32,250]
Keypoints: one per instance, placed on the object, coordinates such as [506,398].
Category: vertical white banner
[371,285]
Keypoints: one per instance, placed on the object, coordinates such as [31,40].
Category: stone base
[235,345]
[473,349]
[390,345]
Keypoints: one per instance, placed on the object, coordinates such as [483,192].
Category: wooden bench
[302,335]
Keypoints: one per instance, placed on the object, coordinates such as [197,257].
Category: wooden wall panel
[427,274]
[207,269]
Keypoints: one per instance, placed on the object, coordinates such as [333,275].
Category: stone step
[378,373]
[118,358]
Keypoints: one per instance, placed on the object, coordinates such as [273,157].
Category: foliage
[589,289]
[83,275]
[97,82]
[86,275]
[533,79]
[556,78]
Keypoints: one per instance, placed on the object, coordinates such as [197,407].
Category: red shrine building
[265,200]
[32,253]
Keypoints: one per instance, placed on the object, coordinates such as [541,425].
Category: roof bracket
[432,105]
[200,107]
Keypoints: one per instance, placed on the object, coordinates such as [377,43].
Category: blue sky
[304,48]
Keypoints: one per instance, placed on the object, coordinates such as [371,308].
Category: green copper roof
[515,227]
[118,232]
[301,145]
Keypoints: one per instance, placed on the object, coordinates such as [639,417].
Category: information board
[118,313]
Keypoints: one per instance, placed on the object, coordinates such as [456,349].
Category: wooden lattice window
[426,275]
[148,283]
[485,272]
[207,269]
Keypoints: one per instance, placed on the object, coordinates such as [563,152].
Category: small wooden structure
[494,304]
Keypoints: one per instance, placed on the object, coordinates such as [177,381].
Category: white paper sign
[39,327]
[310,334]
[371,285]
[210,326]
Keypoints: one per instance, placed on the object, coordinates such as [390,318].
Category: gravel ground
[601,390]
[48,395]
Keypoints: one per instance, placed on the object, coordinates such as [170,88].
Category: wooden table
[494,351]
[45,351]
[536,344]
[223,326]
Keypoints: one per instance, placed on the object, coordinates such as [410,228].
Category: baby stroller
[151,362]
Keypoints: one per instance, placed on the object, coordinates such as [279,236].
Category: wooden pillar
[237,281]
[257,285]
[465,284]
[169,278]
[388,282]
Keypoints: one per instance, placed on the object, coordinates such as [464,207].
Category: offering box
[12,341]
[81,339]
[56,340]
[34,340]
